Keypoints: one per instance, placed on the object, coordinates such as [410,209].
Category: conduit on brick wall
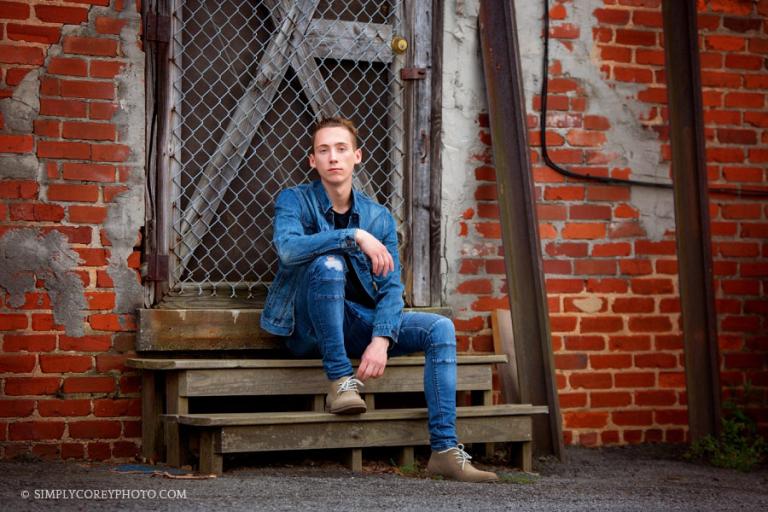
[612,287]
[71,183]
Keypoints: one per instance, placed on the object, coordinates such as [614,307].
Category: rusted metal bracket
[694,252]
[157,28]
[157,267]
[522,250]
[413,74]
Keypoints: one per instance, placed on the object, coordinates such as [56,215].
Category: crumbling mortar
[125,216]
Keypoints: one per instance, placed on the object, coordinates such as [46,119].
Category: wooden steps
[172,387]
[264,432]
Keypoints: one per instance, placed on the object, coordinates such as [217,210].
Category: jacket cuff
[347,240]
[386,331]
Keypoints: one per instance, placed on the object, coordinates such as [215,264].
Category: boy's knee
[328,264]
[443,331]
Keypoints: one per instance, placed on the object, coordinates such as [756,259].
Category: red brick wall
[612,289]
[67,396]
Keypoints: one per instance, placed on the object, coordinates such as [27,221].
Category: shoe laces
[462,457]
[350,384]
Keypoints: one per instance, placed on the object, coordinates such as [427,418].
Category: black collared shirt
[353,289]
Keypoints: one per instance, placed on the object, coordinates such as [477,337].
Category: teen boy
[337,293]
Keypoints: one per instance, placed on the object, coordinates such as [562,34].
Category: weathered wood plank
[176,401]
[211,364]
[418,154]
[392,432]
[152,404]
[207,329]
[354,460]
[406,456]
[349,40]
[212,329]
[308,381]
[436,168]
[271,418]
[504,343]
[211,459]
[174,447]
[175,437]
[522,456]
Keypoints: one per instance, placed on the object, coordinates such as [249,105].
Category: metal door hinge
[413,73]
[157,28]
[157,267]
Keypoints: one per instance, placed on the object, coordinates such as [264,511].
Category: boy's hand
[374,359]
[381,261]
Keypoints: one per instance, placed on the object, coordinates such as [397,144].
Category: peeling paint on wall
[125,216]
[634,146]
[19,111]
[26,256]
[463,100]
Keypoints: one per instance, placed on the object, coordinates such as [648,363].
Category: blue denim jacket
[303,230]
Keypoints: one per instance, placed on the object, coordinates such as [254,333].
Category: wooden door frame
[423,169]
[423,100]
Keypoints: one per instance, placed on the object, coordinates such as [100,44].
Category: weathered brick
[32,33]
[90,46]
[17,363]
[95,429]
[14,10]
[88,172]
[35,430]
[65,150]
[59,14]
[16,143]
[17,54]
[89,385]
[58,363]
[78,193]
[65,408]
[20,386]
[87,89]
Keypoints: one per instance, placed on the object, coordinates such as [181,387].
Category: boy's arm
[389,289]
[389,309]
[296,248]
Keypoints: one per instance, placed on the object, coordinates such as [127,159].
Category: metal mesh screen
[249,79]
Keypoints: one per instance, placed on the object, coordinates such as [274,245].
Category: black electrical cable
[601,179]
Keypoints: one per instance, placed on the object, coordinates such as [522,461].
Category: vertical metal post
[694,251]
[522,250]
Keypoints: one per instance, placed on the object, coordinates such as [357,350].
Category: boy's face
[334,155]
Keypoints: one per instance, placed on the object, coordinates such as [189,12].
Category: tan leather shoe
[343,397]
[454,463]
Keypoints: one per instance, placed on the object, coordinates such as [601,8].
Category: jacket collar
[325,203]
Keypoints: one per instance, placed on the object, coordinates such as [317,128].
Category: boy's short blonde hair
[335,122]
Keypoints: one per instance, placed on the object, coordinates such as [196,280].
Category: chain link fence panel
[250,79]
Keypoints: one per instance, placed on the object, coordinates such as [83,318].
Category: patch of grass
[409,469]
[739,446]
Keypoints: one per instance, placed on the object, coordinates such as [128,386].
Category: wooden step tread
[205,364]
[207,329]
[271,418]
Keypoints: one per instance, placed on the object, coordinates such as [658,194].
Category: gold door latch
[399,45]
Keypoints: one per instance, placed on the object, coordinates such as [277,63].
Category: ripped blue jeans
[337,329]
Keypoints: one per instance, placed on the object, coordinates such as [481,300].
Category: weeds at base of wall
[739,446]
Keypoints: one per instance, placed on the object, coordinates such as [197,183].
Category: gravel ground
[646,478]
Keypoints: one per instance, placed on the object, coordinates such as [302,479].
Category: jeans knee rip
[333,263]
